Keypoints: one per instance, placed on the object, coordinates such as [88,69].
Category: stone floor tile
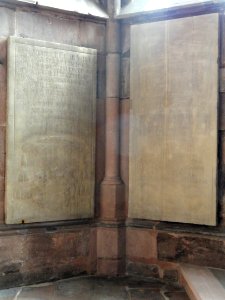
[91,289]
[179,295]
[95,288]
[146,294]
[136,282]
[9,294]
[37,293]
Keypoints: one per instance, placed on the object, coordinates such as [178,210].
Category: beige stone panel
[50,131]
[173,127]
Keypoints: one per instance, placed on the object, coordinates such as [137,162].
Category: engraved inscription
[173,127]
[51,132]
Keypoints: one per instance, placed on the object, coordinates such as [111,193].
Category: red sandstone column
[111,231]
[112,188]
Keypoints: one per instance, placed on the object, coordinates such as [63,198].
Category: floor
[220,275]
[203,283]
[90,288]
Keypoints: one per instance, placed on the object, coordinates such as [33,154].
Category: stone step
[202,283]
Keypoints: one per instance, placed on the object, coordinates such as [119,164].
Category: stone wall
[45,254]
[157,248]
[47,251]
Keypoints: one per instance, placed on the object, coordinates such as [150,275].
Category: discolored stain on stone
[40,257]
[198,250]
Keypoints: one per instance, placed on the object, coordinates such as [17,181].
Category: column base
[111,250]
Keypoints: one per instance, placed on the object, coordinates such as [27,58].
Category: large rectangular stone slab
[173,127]
[50,153]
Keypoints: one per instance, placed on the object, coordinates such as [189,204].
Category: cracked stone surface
[92,288]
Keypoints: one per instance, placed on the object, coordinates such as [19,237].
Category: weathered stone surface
[51,105]
[199,250]
[110,251]
[173,162]
[141,244]
[110,242]
[55,27]
[39,257]
[16,251]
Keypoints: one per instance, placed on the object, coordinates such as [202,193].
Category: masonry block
[141,244]
[36,256]
[110,242]
[193,249]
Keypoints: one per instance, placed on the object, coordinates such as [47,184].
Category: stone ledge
[177,227]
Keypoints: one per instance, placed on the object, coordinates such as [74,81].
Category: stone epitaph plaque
[50,153]
[173,128]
